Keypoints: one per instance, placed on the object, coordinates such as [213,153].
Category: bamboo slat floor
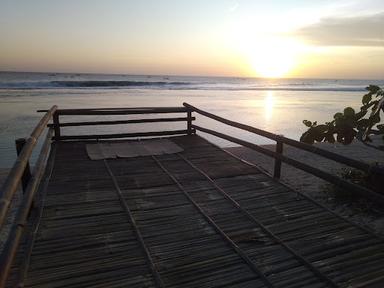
[199,218]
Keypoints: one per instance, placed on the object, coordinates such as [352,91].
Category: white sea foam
[9,80]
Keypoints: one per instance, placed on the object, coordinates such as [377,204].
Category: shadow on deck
[198,218]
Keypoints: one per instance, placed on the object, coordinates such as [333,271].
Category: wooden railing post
[277,168]
[27,170]
[189,122]
[56,125]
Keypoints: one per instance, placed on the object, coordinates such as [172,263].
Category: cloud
[367,30]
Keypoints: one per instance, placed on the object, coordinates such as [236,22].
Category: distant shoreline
[185,75]
[53,80]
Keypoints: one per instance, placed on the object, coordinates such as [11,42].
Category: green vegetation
[349,124]
[371,181]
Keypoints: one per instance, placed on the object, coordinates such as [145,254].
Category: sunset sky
[291,38]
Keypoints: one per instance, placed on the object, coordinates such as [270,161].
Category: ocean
[276,105]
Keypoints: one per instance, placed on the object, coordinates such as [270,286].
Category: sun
[272,63]
[273,58]
[269,56]
[267,48]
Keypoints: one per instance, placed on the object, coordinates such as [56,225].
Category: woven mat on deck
[128,149]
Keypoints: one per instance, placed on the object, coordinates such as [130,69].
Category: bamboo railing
[120,111]
[21,218]
[279,157]
[20,173]
[13,180]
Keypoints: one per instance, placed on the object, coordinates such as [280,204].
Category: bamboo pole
[359,190]
[327,154]
[56,125]
[12,243]
[123,135]
[189,122]
[32,235]
[277,168]
[237,205]
[13,179]
[255,267]
[121,111]
[27,171]
[136,230]
[117,109]
[116,122]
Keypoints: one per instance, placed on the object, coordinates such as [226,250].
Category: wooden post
[27,171]
[56,125]
[277,169]
[376,178]
[189,122]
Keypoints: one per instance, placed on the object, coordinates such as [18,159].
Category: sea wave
[87,84]
[268,88]
[115,83]
[177,85]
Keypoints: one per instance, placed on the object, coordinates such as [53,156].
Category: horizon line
[191,75]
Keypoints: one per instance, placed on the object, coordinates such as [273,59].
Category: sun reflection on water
[269,102]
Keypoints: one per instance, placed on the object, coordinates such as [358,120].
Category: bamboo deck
[200,218]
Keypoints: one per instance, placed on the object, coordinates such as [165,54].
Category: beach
[275,105]
[263,103]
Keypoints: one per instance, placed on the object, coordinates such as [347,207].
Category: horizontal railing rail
[279,157]
[120,111]
[57,123]
[118,108]
[118,122]
[123,135]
